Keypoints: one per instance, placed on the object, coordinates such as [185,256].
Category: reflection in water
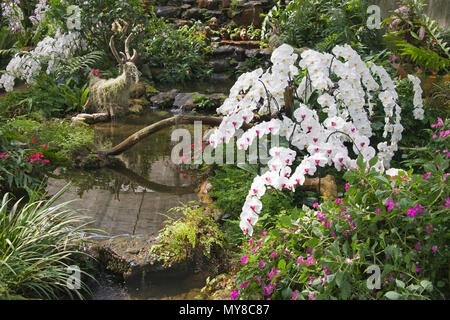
[133,199]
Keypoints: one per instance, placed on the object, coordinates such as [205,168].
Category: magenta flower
[429,228]
[272,273]
[244,284]
[261,264]
[235,294]
[311,296]
[418,246]
[378,211]
[391,205]
[244,259]
[310,261]
[347,186]
[273,255]
[411,212]
[419,208]
[433,249]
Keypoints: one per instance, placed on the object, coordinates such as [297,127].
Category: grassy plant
[38,241]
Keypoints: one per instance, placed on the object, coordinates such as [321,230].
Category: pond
[132,200]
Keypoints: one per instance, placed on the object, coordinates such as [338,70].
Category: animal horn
[114,51]
[133,57]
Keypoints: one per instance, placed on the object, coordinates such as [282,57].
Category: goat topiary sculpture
[111,96]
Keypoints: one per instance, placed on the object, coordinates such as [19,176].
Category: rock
[135,107]
[225,3]
[242,44]
[239,54]
[248,16]
[251,53]
[223,51]
[185,101]
[181,22]
[138,90]
[207,4]
[167,12]
[193,13]
[217,98]
[266,53]
[164,99]
[131,259]
[219,66]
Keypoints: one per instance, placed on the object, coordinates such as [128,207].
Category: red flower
[33,140]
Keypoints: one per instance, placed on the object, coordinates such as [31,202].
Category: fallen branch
[155,127]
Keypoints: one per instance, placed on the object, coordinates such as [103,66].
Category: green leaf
[286,293]
[392,295]
[373,161]
[427,285]
[400,284]
[282,264]
[360,162]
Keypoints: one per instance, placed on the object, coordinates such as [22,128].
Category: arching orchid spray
[347,90]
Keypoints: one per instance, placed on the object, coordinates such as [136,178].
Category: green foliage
[48,97]
[194,236]
[62,142]
[399,224]
[321,25]
[39,240]
[97,18]
[204,103]
[417,38]
[7,39]
[178,54]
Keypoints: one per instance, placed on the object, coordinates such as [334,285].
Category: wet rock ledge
[130,259]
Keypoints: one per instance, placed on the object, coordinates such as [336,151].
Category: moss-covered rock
[132,259]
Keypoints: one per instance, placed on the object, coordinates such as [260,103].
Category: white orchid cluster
[39,12]
[48,51]
[347,89]
[13,14]
[418,102]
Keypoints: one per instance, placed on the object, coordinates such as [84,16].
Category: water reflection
[134,198]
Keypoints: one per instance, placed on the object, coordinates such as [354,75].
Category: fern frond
[79,63]
[423,57]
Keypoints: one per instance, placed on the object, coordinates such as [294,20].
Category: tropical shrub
[321,25]
[396,223]
[47,97]
[39,240]
[22,169]
[178,54]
